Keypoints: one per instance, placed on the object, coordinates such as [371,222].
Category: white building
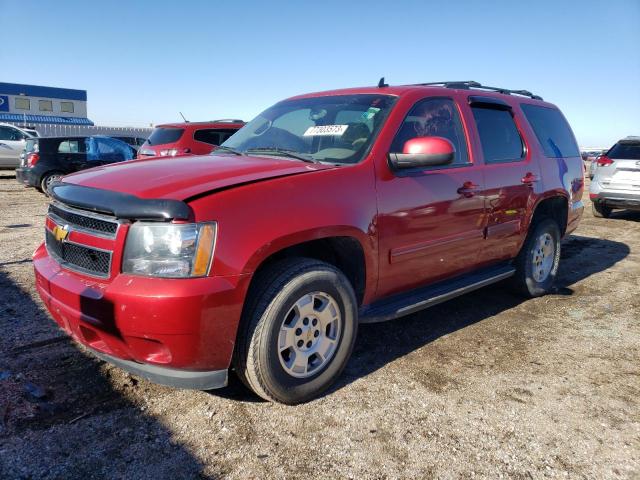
[33,105]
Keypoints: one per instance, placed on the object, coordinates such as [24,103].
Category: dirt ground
[485,386]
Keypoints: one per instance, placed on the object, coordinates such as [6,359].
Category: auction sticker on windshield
[325,130]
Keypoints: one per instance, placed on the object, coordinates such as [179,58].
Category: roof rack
[227,120]
[469,84]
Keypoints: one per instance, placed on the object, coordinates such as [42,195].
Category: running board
[403,304]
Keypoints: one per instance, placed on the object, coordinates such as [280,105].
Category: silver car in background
[616,183]
[12,142]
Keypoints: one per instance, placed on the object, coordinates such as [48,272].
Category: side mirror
[423,152]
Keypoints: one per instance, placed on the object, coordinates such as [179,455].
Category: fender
[260,219]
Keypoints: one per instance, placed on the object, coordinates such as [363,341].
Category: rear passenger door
[511,177]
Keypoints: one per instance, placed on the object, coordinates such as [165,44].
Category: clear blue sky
[142,62]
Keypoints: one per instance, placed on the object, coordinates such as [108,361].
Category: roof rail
[228,120]
[469,84]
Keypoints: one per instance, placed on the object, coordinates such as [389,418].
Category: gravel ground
[485,386]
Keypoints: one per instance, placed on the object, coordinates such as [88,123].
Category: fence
[53,130]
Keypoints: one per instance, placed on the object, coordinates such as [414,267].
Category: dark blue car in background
[46,160]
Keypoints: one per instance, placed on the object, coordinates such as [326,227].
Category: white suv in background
[616,183]
[12,142]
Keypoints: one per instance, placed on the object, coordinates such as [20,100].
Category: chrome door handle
[468,189]
[529,179]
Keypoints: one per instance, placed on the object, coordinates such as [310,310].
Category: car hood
[181,178]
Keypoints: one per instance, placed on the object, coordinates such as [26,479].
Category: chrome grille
[80,220]
[85,259]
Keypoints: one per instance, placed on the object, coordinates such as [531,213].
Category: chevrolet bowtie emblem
[61,233]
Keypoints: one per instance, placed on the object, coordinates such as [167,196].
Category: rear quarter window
[552,130]
[212,136]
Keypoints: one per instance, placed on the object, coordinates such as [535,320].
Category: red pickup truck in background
[326,210]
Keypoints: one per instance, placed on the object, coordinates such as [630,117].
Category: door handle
[529,179]
[468,189]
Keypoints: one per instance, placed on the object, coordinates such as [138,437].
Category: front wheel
[298,330]
[537,262]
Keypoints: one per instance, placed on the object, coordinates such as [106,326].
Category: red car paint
[413,230]
[190,136]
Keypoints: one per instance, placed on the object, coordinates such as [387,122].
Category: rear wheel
[48,180]
[297,332]
[600,210]
[537,262]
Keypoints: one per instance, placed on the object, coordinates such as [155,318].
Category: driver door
[430,219]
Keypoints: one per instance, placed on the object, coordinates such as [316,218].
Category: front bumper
[207,380]
[178,332]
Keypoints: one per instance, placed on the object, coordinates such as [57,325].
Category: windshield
[161,136]
[334,129]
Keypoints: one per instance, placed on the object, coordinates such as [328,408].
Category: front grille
[87,222]
[78,257]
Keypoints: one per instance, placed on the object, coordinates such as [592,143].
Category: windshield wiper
[228,149]
[281,151]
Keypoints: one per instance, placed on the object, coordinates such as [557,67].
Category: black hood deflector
[121,205]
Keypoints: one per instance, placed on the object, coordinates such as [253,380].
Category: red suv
[189,138]
[327,210]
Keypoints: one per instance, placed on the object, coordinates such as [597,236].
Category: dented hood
[181,178]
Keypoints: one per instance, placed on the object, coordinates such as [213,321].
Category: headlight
[169,250]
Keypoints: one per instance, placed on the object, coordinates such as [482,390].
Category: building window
[66,107]
[23,103]
[45,105]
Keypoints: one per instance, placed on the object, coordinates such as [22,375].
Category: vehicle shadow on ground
[382,343]
[61,417]
[629,215]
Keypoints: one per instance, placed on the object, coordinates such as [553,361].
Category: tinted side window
[213,136]
[209,136]
[499,137]
[552,131]
[434,117]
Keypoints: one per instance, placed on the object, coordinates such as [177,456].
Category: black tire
[273,293]
[47,178]
[524,281]
[600,210]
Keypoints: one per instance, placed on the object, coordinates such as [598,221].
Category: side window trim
[465,137]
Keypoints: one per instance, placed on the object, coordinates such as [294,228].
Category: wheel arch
[554,205]
[342,248]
